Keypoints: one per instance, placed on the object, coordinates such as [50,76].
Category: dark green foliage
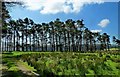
[56,35]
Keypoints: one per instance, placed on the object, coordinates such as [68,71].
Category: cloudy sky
[98,15]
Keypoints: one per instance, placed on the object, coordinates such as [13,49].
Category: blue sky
[97,16]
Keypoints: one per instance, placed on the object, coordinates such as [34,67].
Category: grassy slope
[16,68]
[10,62]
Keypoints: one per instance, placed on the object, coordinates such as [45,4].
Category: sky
[99,15]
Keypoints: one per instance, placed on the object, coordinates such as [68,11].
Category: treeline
[117,41]
[26,35]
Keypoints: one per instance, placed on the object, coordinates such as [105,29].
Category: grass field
[35,64]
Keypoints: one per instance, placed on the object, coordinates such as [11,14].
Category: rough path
[26,69]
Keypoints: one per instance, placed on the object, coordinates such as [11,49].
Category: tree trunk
[65,42]
[73,46]
[26,43]
[56,43]
[22,42]
[91,47]
[33,47]
[69,42]
[30,42]
[38,44]
[14,41]
[80,46]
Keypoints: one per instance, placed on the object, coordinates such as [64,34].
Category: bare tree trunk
[22,42]
[14,41]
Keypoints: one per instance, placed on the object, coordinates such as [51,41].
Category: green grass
[10,62]
[65,63]
[13,68]
[114,49]
[26,65]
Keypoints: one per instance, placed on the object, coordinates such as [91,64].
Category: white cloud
[66,6]
[34,4]
[95,31]
[57,6]
[103,23]
[53,6]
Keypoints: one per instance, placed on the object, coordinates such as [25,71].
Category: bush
[71,63]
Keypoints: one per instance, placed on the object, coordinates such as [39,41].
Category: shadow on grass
[7,53]
[45,73]
[15,74]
